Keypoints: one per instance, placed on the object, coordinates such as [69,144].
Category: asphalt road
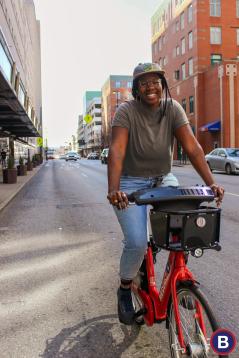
[60,245]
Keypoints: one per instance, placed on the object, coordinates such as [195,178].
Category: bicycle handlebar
[182,196]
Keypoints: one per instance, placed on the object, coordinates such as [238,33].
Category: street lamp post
[117,98]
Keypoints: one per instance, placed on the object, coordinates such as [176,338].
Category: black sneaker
[126,310]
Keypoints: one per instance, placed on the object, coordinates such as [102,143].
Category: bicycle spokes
[196,327]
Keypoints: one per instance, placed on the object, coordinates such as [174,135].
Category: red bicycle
[181,225]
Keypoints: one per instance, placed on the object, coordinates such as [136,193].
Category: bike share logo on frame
[223,342]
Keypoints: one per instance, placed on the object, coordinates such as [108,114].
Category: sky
[82,44]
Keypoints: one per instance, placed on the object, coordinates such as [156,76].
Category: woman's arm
[195,153]
[116,157]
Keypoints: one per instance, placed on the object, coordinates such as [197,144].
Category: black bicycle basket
[186,230]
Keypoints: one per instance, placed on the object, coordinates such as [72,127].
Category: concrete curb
[12,195]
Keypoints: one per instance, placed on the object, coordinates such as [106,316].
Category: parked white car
[72,156]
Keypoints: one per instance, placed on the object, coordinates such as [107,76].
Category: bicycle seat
[173,198]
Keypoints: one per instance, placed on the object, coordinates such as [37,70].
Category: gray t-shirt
[151,136]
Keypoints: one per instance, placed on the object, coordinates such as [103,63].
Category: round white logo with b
[223,341]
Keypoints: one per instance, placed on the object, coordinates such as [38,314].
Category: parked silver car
[224,159]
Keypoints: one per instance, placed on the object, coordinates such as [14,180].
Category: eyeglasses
[155,83]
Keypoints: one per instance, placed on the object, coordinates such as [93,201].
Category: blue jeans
[133,222]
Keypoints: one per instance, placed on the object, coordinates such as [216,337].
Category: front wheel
[228,169]
[190,303]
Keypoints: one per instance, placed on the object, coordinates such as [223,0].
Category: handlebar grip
[131,197]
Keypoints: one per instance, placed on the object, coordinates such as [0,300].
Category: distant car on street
[72,156]
[224,159]
[104,156]
[93,156]
[62,156]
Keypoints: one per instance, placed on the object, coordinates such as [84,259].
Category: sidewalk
[179,163]
[9,191]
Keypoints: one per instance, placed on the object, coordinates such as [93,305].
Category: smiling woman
[140,157]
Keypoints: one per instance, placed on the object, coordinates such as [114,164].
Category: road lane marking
[231,194]
[84,175]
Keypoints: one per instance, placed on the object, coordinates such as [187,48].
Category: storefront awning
[211,127]
[13,118]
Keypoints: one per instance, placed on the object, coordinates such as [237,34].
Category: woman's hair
[165,88]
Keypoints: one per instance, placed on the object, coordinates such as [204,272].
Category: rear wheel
[138,306]
[190,301]
[139,282]
[228,169]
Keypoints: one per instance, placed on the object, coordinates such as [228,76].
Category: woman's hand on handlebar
[218,192]
[119,199]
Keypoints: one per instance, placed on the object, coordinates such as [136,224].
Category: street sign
[88,118]
[39,141]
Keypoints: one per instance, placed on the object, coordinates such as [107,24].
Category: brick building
[116,90]
[197,43]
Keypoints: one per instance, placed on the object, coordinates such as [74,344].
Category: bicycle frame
[156,302]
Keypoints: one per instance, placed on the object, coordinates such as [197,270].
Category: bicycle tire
[198,345]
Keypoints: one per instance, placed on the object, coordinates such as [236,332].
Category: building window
[117,84]
[177,51]
[215,7]
[155,45]
[21,94]
[174,28]
[191,104]
[182,21]
[190,13]
[177,26]
[183,71]
[190,40]
[5,64]
[165,61]
[183,46]
[190,66]
[160,44]
[184,104]
[237,32]
[215,35]
[216,58]
[237,8]
[177,75]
